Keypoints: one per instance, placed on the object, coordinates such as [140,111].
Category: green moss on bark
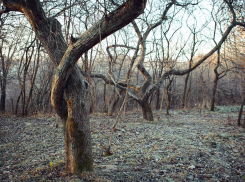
[150,110]
[147,111]
[84,162]
[86,165]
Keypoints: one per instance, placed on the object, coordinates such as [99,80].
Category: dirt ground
[187,145]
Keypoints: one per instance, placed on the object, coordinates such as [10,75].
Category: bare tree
[147,88]
[33,77]
[193,51]
[240,112]
[10,47]
[42,87]
[142,98]
[168,93]
[74,109]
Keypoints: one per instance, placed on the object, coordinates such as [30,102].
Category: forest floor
[187,145]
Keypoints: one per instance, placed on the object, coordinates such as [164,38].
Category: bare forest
[122,90]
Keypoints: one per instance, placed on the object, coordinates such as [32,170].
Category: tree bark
[240,112]
[17,103]
[3,83]
[215,80]
[3,95]
[184,92]
[157,107]
[77,136]
[114,103]
[147,111]
[68,81]
[104,109]
[214,90]
[168,90]
[168,102]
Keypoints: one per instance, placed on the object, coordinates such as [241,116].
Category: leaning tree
[69,94]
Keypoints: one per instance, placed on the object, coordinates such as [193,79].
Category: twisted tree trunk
[69,95]
[147,111]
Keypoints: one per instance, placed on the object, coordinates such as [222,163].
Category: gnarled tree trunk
[76,128]
[69,93]
[147,111]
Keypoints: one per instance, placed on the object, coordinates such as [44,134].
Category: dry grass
[185,146]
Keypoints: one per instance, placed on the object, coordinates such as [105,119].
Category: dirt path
[185,146]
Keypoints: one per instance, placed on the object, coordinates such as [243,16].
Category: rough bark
[184,91]
[74,109]
[214,90]
[240,112]
[104,100]
[168,90]
[147,111]
[3,83]
[114,103]
[77,128]
[3,95]
[157,107]
[106,26]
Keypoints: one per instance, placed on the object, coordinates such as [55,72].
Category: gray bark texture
[69,95]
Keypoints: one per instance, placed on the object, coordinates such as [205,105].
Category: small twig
[108,152]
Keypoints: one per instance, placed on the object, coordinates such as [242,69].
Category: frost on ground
[184,146]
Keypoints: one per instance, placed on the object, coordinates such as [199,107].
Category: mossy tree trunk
[147,111]
[76,129]
[69,95]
